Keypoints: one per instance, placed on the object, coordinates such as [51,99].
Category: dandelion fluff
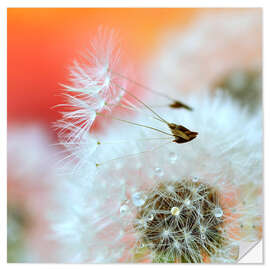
[199,209]
[93,85]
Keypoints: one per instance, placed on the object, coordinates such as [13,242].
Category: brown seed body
[182,134]
[178,105]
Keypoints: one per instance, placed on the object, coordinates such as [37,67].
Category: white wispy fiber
[93,85]
[115,207]
[148,189]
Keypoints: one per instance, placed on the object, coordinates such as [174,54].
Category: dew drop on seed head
[187,202]
[159,172]
[173,157]
[138,199]
[195,179]
[124,209]
[218,212]
[150,217]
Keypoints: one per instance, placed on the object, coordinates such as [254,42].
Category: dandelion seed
[181,133]
[178,104]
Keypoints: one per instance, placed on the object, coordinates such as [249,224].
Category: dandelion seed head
[165,232]
[210,175]
[138,199]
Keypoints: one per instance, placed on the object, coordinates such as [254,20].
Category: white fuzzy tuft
[94,86]
[123,168]
[149,189]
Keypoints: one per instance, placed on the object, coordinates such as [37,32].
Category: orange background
[42,42]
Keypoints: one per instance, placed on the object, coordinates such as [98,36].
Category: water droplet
[187,202]
[218,212]
[165,233]
[175,211]
[124,209]
[159,172]
[173,157]
[151,217]
[203,236]
[138,199]
[195,179]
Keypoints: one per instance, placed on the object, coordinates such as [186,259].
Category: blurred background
[43,42]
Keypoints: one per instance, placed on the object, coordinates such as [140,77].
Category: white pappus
[136,193]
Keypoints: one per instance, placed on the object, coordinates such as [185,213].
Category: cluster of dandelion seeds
[148,189]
